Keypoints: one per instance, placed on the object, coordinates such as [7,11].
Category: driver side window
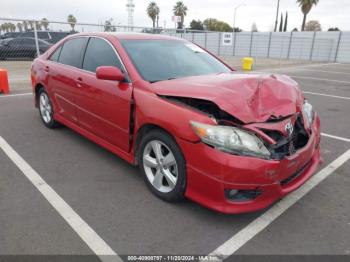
[100,53]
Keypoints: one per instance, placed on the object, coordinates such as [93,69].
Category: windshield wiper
[155,81]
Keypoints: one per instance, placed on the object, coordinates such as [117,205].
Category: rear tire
[46,109]
[163,166]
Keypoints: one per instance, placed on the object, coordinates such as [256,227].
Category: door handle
[79,82]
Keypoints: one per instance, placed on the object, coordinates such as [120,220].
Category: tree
[333,29]
[31,24]
[45,23]
[295,30]
[20,27]
[38,25]
[72,21]
[313,25]
[180,10]
[306,6]
[254,27]
[108,27]
[4,27]
[196,25]
[281,23]
[286,23]
[213,24]
[153,13]
[237,30]
[25,25]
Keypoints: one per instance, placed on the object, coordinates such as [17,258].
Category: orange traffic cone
[4,82]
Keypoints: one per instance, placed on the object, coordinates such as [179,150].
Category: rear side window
[100,53]
[56,54]
[72,52]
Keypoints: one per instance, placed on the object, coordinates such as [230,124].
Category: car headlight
[308,112]
[231,139]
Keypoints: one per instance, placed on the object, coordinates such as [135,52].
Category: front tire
[163,166]
[46,109]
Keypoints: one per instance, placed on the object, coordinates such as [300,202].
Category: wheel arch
[38,86]
[144,129]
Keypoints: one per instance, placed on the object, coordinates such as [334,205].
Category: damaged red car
[197,129]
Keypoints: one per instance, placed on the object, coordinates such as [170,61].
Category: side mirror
[109,73]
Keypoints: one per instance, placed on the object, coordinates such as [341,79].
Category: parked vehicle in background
[21,47]
[10,35]
[49,36]
[152,30]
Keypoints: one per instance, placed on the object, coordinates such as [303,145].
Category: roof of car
[132,36]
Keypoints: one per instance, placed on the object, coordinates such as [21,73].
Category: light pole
[278,10]
[234,15]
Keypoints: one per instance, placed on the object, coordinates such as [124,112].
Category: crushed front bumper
[211,172]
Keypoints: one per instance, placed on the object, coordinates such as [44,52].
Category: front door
[103,107]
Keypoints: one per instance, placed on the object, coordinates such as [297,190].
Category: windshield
[158,60]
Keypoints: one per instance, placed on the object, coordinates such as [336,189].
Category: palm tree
[72,21]
[31,24]
[306,6]
[12,27]
[25,25]
[20,27]
[45,23]
[153,12]
[38,25]
[180,10]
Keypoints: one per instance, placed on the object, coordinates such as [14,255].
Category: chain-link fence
[25,39]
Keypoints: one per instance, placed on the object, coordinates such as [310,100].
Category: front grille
[287,146]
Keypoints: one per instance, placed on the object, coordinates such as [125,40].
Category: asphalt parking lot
[111,199]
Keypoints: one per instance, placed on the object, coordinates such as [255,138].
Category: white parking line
[321,79]
[320,94]
[86,233]
[336,137]
[23,94]
[259,224]
[326,71]
[296,67]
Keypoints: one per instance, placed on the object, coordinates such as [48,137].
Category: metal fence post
[312,46]
[36,39]
[205,39]
[290,44]
[337,50]
[251,44]
[192,37]
[219,43]
[269,45]
[234,43]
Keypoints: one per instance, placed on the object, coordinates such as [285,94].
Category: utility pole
[278,10]
[234,15]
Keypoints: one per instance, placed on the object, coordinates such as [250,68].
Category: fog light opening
[236,195]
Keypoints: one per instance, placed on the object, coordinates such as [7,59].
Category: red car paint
[112,114]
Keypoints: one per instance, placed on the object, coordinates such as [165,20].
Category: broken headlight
[231,139]
[308,112]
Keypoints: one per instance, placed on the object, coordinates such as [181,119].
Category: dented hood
[248,97]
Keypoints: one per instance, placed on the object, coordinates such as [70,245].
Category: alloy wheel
[160,166]
[45,107]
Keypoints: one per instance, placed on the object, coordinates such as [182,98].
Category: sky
[330,13]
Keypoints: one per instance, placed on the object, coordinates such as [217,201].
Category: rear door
[103,107]
[63,70]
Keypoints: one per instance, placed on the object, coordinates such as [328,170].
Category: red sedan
[232,142]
